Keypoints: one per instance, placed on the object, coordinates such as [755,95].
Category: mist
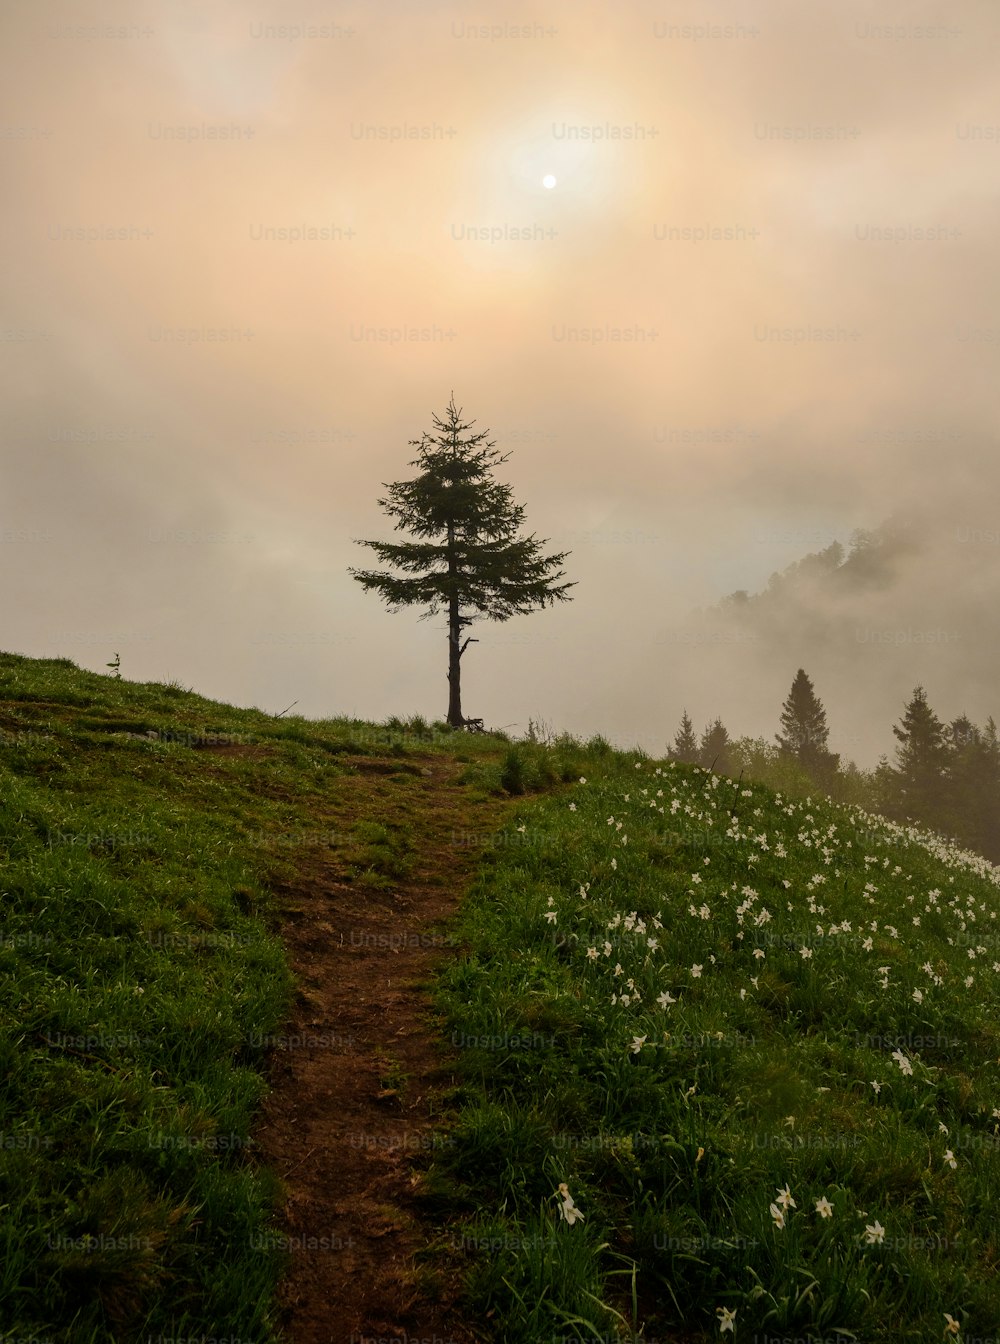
[252,252]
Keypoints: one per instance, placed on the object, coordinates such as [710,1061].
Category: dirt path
[351,1109]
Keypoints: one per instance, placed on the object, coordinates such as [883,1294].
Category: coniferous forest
[944,776]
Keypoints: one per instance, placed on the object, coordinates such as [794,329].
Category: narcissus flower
[824,1208]
[727,1319]
[903,1062]
[874,1233]
[784,1198]
[567,1209]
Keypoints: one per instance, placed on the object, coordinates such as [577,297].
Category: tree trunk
[455,719]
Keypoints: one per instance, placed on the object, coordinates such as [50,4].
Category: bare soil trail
[352,1104]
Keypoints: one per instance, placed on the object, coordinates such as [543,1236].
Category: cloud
[255,252]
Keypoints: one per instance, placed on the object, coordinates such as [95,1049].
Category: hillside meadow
[732,1070]
[729,1058]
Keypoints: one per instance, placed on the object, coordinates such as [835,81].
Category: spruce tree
[713,752]
[973,785]
[803,719]
[477,567]
[685,746]
[921,760]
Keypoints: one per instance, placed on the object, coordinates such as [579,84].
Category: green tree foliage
[685,746]
[921,761]
[476,566]
[805,734]
[714,751]
[973,778]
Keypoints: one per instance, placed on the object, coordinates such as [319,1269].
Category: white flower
[695,971]
[551,916]
[951,1326]
[726,1319]
[824,1208]
[637,1043]
[903,1062]
[784,1198]
[582,780]
[805,953]
[665,998]
[917,996]
[572,807]
[777,1215]
[949,1157]
[874,1233]
[591,953]
[567,1209]
[876,1087]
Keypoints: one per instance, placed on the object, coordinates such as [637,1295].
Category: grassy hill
[754,1039]
[144,832]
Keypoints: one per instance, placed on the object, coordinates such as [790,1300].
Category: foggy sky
[202,409]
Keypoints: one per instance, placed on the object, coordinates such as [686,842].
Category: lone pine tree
[803,719]
[478,567]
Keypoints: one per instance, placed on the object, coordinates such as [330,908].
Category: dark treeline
[945,776]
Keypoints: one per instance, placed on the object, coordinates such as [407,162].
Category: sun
[548,181]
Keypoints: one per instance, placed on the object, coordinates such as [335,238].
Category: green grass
[673,1004]
[139,970]
[140,967]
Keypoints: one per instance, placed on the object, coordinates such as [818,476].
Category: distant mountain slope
[911,602]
